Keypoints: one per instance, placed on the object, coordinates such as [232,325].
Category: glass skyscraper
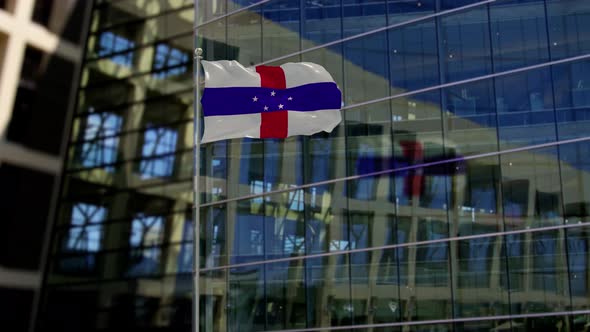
[454,196]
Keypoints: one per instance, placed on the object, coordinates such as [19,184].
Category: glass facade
[454,196]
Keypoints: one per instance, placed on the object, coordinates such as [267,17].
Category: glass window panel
[475,196]
[285,292]
[213,40]
[575,177]
[577,249]
[369,150]
[109,43]
[470,118]
[375,299]
[413,57]
[243,33]
[526,115]
[404,10]
[362,16]
[211,9]
[427,295]
[365,68]
[519,34]
[531,189]
[158,145]
[569,27]
[169,61]
[246,308]
[100,145]
[537,272]
[84,237]
[322,23]
[328,292]
[478,277]
[280,28]
[465,49]
[417,137]
[572,98]
[215,301]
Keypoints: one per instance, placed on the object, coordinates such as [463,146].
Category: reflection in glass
[158,142]
[100,146]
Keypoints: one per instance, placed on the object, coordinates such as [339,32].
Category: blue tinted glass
[363,15]
[159,145]
[519,34]
[85,235]
[470,118]
[169,61]
[112,43]
[146,236]
[322,23]
[526,114]
[569,27]
[365,69]
[465,39]
[280,28]
[100,146]
[572,98]
[403,10]
[413,57]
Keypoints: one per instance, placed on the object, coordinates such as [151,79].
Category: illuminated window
[86,228]
[110,43]
[158,152]
[100,146]
[169,61]
[146,237]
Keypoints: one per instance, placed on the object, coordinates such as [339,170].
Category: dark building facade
[454,196]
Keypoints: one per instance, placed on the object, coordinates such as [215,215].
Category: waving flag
[268,101]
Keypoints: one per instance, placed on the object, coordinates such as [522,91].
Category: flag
[268,101]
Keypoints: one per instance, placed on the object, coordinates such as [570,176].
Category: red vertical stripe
[414,152]
[274,124]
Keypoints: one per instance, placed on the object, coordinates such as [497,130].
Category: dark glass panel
[369,150]
[525,115]
[285,293]
[322,22]
[470,119]
[413,57]
[569,28]
[465,45]
[427,294]
[366,72]
[280,28]
[328,291]
[478,275]
[572,98]
[362,16]
[531,189]
[577,250]
[537,270]
[243,32]
[519,34]
[575,177]
[404,10]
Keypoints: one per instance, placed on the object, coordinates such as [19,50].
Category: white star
[280,106]
[255,98]
[266,108]
[273,94]
[290,98]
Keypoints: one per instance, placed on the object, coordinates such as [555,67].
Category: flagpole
[196,191]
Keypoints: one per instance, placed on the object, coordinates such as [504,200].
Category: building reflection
[459,237]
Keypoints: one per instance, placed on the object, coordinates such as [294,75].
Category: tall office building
[40,54]
[454,196]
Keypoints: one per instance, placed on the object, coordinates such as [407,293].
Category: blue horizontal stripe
[251,100]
